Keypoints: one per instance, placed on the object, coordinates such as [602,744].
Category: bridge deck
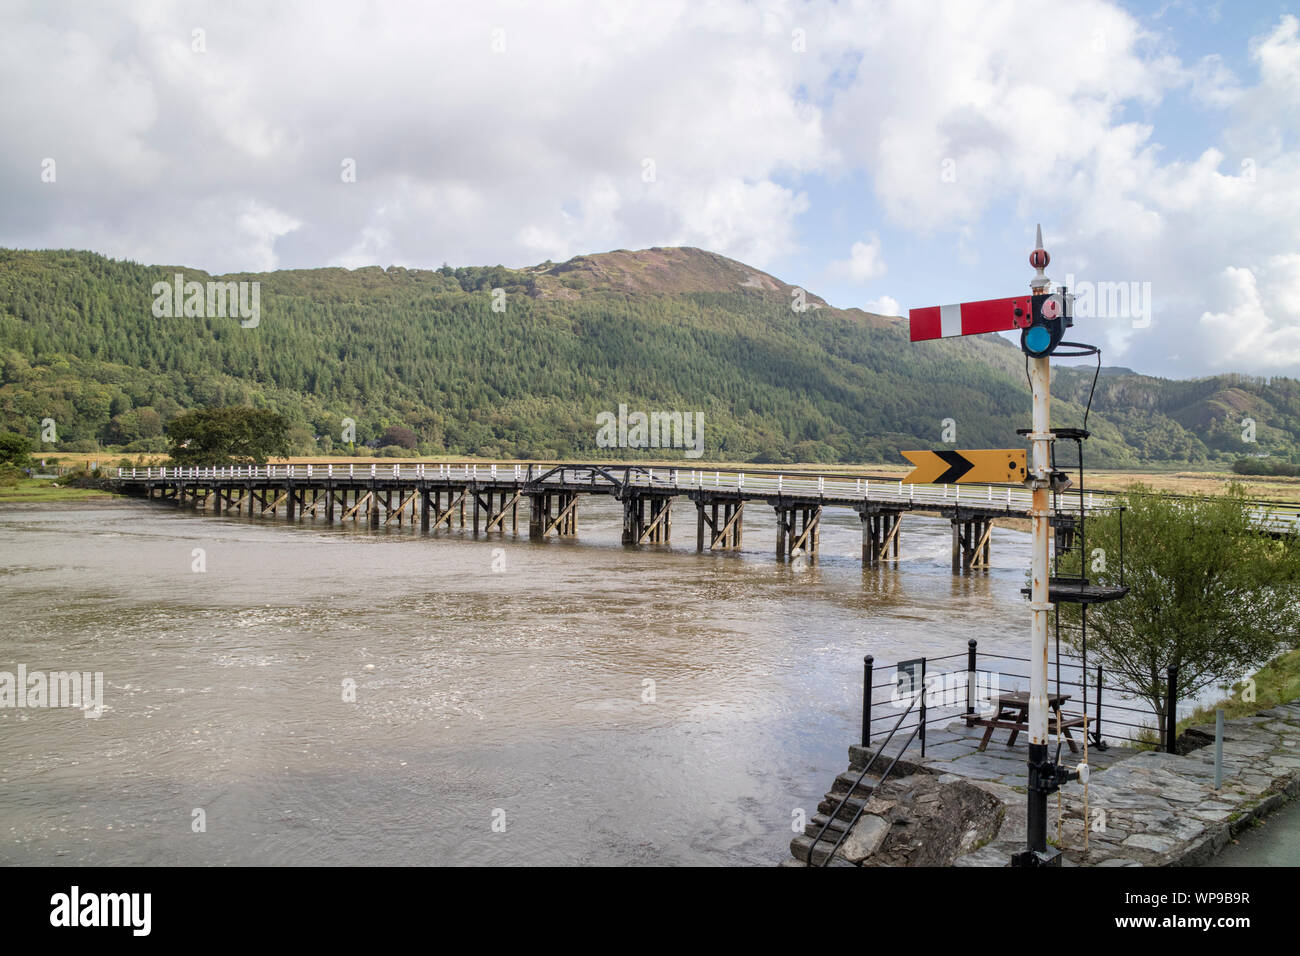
[865,495]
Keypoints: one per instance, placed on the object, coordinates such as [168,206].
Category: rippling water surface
[512,695]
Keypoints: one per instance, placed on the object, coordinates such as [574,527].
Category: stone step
[799,850]
[840,788]
[847,779]
[837,826]
[846,812]
[859,757]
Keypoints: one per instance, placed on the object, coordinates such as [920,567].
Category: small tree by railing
[1212,595]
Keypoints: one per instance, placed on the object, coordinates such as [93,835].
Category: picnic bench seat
[1013,715]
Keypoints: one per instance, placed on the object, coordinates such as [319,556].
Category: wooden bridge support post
[554,511]
[971,546]
[567,523]
[734,528]
[798,529]
[290,504]
[725,530]
[647,519]
[536,514]
[880,531]
[810,535]
[661,520]
[984,545]
[633,520]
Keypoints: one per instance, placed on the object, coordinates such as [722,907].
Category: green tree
[15,450]
[397,435]
[1209,593]
[233,435]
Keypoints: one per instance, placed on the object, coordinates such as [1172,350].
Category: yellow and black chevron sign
[966,465]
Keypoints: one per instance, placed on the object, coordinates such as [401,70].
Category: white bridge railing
[833,488]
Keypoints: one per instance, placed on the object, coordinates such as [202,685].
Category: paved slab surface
[1143,808]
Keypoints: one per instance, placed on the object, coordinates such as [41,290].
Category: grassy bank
[1277,682]
[43,490]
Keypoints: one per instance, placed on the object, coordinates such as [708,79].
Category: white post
[1040,379]
[780,481]
[1040,512]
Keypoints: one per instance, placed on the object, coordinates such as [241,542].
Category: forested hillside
[658,330]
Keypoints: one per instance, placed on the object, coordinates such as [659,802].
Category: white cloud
[959,119]
[1245,331]
[955,107]
[885,305]
[463,154]
[864,262]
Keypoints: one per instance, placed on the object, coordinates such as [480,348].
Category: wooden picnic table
[1013,715]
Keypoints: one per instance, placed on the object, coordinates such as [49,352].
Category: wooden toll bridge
[438,495]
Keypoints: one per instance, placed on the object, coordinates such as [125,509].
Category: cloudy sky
[884,155]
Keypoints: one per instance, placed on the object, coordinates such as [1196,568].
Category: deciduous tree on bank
[397,435]
[15,450]
[1210,593]
[227,436]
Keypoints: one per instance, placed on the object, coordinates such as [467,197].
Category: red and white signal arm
[971,318]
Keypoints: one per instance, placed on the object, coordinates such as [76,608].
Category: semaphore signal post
[1042,318]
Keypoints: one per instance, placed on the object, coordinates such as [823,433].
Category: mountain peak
[661,270]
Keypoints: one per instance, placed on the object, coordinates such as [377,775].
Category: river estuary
[502,712]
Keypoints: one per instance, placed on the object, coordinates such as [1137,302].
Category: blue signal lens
[1038,339]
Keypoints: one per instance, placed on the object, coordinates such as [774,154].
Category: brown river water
[506,718]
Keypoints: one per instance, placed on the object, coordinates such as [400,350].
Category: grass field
[42,490]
